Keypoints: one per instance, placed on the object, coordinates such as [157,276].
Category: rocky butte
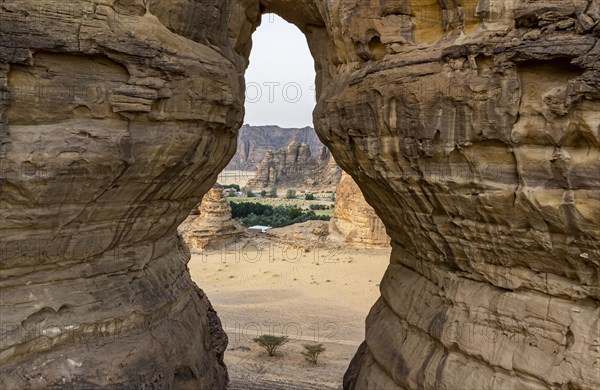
[470,126]
[213,226]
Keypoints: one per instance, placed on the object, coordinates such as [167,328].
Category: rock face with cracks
[472,128]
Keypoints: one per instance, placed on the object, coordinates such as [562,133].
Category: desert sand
[311,293]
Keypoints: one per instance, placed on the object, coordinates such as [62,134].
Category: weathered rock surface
[115,118]
[295,166]
[354,219]
[472,128]
[214,227]
[255,141]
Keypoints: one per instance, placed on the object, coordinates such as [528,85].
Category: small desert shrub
[273,193]
[290,194]
[312,352]
[271,343]
[309,197]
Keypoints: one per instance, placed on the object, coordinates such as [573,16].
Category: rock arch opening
[312,281]
[489,196]
[280,79]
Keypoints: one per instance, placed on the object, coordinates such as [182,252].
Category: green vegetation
[290,194]
[319,207]
[312,352]
[273,193]
[253,213]
[244,209]
[271,343]
[309,197]
[263,193]
[231,193]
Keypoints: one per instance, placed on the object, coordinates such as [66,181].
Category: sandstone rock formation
[354,219]
[470,126]
[115,118]
[295,166]
[214,227]
[255,141]
[328,172]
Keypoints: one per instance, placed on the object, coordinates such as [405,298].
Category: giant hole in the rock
[285,244]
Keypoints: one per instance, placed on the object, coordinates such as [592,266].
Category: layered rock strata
[214,227]
[114,119]
[295,166]
[354,219]
[471,127]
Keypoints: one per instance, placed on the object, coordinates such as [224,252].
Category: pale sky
[280,80]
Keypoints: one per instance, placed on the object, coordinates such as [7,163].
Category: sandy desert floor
[315,293]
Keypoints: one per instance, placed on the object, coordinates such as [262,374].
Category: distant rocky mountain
[255,141]
[295,166]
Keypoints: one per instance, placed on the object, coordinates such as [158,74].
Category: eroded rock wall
[354,219]
[470,126]
[116,116]
[473,130]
